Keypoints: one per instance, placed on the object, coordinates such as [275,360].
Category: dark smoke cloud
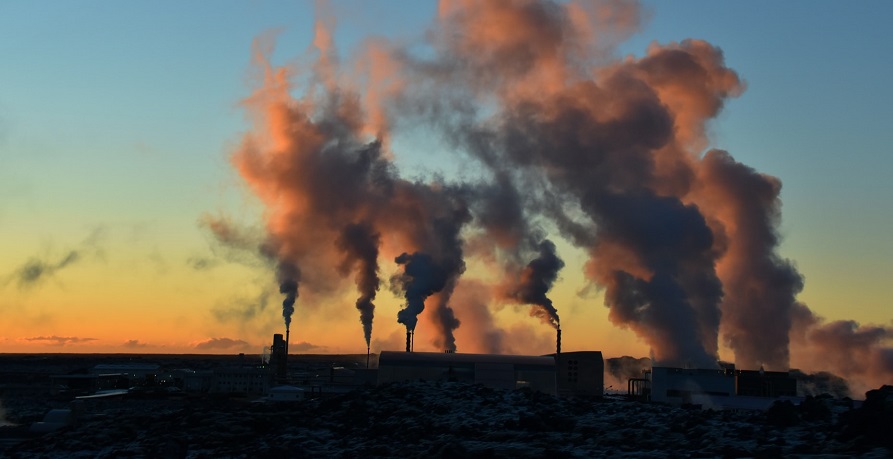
[319,174]
[675,306]
[535,282]
[288,276]
[231,243]
[60,340]
[241,309]
[445,321]
[359,243]
[820,383]
[562,137]
[619,370]
[610,147]
[757,282]
[37,270]
[421,278]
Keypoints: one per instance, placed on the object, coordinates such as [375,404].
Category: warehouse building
[491,370]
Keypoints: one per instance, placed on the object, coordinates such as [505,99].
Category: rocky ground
[422,419]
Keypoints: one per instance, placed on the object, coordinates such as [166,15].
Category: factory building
[495,371]
[684,385]
[240,380]
[580,374]
[719,388]
[765,383]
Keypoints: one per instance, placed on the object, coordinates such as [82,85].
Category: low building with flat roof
[491,370]
[580,374]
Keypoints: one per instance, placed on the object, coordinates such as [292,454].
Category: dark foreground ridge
[421,419]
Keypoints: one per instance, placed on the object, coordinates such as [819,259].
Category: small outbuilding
[580,374]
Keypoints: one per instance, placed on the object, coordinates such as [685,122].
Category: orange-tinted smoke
[863,354]
[760,287]
[606,151]
[321,179]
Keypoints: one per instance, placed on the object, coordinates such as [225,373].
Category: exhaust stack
[278,362]
[557,341]
[408,341]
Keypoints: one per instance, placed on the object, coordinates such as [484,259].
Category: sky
[118,121]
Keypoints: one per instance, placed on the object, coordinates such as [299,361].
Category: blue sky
[123,114]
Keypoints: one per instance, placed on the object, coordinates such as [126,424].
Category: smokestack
[278,361]
[287,331]
[408,341]
[367,357]
[557,341]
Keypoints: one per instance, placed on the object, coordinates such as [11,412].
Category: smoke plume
[863,354]
[745,208]
[558,137]
[360,246]
[535,282]
[288,277]
[619,370]
[39,269]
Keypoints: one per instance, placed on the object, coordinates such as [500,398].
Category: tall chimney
[558,341]
[287,331]
[367,356]
[408,341]
[277,358]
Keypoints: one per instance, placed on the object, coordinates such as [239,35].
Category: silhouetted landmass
[426,419]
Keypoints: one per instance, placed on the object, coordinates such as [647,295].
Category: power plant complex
[563,374]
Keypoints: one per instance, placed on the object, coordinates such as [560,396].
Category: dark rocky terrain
[420,419]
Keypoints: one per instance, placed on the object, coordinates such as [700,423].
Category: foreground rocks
[422,419]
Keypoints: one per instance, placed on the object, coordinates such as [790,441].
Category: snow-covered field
[422,419]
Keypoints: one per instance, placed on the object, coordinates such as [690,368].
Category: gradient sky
[117,120]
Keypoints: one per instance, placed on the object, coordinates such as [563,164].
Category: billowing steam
[566,140]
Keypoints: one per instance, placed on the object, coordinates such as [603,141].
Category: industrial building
[249,380]
[580,374]
[570,374]
[491,370]
[720,388]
